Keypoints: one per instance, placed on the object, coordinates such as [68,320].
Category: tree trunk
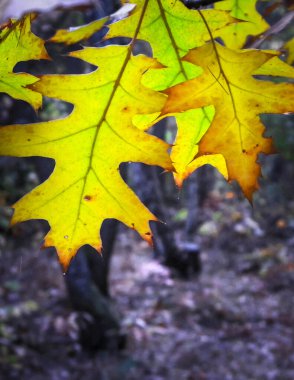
[149,185]
[199,185]
[87,284]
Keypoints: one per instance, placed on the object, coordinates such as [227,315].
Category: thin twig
[276,28]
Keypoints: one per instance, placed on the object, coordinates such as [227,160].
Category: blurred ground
[233,321]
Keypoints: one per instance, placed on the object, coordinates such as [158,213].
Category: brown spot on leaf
[87,198]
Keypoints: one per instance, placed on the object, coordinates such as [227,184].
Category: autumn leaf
[192,125]
[76,34]
[88,146]
[275,67]
[228,84]
[235,35]
[79,33]
[18,43]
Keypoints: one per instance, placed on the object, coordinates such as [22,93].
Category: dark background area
[212,301]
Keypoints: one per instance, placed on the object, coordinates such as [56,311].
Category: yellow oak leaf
[235,35]
[228,84]
[88,146]
[79,33]
[275,67]
[18,43]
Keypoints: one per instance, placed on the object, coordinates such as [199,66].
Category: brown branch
[276,28]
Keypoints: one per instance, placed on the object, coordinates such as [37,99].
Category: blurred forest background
[212,301]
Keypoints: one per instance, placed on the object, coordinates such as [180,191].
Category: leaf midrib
[103,117]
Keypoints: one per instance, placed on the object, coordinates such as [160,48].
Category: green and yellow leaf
[88,147]
[18,43]
[172,30]
[192,125]
[235,35]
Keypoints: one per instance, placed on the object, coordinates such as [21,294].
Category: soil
[232,321]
